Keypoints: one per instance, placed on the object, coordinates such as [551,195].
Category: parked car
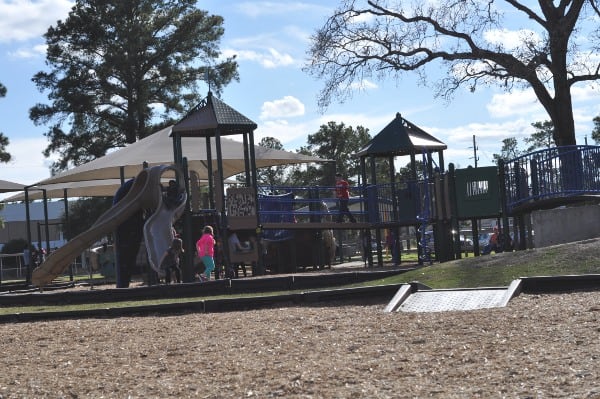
[484,239]
[466,244]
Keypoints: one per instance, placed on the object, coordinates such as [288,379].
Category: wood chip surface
[540,346]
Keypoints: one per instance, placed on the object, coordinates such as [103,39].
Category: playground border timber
[333,297]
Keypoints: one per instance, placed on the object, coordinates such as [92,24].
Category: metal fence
[552,173]
[12,268]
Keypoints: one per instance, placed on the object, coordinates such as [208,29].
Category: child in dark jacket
[170,261]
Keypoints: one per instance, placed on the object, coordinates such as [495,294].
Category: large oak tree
[118,70]
[556,48]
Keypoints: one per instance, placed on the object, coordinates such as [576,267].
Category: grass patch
[500,269]
[484,271]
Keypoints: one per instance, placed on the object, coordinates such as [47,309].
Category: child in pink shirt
[206,251]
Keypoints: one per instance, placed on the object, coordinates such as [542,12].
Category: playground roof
[211,115]
[88,188]
[157,149]
[8,186]
[401,137]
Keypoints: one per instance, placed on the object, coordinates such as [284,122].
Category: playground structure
[293,229]
[145,193]
[437,202]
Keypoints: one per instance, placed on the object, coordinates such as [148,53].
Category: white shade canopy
[101,177]
[96,188]
[8,186]
[157,149]
[87,188]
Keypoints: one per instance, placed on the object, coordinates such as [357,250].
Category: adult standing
[342,192]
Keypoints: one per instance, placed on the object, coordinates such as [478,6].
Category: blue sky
[271,39]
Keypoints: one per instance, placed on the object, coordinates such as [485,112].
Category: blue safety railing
[551,174]
[305,204]
[373,204]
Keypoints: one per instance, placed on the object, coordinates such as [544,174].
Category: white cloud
[32,52]
[511,39]
[299,34]
[492,133]
[374,122]
[524,103]
[364,84]
[488,139]
[588,92]
[292,136]
[285,107]
[256,9]
[270,58]
[28,165]
[518,102]
[27,19]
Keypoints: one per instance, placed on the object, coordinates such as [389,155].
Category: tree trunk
[562,117]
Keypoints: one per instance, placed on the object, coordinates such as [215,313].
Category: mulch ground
[539,346]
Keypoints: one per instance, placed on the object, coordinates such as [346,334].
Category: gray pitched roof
[401,137]
[212,114]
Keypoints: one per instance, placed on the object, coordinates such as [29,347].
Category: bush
[14,246]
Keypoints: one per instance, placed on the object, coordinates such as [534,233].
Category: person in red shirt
[343,195]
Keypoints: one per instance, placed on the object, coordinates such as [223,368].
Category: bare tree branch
[383,38]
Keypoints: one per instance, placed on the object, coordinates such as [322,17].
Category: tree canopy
[272,175]
[510,150]
[337,142]
[117,68]
[4,155]
[542,137]
[83,213]
[553,51]
[596,131]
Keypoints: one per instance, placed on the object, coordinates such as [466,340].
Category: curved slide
[145,193]
[158,233]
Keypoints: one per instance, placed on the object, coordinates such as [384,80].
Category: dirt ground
[539,346]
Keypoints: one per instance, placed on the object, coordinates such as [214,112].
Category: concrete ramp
[411,299]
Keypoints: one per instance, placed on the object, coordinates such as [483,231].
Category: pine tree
[119,70]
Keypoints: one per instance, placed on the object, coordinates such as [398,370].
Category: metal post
[28,221]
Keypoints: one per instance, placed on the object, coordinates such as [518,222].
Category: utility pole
[475,223]
[475,151]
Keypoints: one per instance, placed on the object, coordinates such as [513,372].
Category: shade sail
[93,188]
[96,188]
[157,149]
[8,186]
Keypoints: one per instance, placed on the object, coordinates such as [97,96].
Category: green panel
[477,192]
